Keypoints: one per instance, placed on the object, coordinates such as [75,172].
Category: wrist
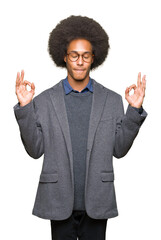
[22,104]
[136,105]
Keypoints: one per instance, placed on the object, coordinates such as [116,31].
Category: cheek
[89,66]
[69,64]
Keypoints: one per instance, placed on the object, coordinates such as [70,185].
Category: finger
[127,92]
[18,79]
[17,83]
[22,76]
[144,81]
[139,79]
[133,86]
[144,85]
[32,87]
[27,83]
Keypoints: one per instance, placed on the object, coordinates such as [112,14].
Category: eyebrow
[78,53]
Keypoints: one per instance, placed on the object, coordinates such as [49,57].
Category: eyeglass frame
[92,55]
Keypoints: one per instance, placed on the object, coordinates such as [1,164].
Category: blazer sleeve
[30,129]
[127,128]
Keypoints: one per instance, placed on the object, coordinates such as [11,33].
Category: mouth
[79,70]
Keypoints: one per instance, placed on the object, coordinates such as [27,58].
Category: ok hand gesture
[136,99]
[24,96]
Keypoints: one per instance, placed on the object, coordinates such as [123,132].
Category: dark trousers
[79,226]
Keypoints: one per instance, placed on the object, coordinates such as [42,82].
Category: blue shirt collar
[68,88]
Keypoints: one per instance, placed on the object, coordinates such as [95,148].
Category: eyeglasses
[74,56]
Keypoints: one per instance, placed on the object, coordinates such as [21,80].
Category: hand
[24,96]
[136,99]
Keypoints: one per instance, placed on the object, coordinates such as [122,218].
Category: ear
[65,58]
[92,59]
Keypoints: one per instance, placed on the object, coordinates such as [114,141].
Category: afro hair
[78,27]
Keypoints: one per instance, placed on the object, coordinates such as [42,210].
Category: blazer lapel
[57,97]
[99,98]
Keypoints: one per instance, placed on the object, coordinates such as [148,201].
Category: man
[79,125]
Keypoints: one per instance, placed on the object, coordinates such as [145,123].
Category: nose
[80,60]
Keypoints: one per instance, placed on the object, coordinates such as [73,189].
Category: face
[78,70]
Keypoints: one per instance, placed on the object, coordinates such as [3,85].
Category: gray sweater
[78,106]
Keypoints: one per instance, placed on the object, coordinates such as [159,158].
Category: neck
[78,85]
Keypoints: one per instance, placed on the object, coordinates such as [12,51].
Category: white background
[135,39]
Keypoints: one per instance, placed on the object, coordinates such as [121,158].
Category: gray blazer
[44,130]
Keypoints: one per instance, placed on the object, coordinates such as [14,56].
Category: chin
[79,78]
